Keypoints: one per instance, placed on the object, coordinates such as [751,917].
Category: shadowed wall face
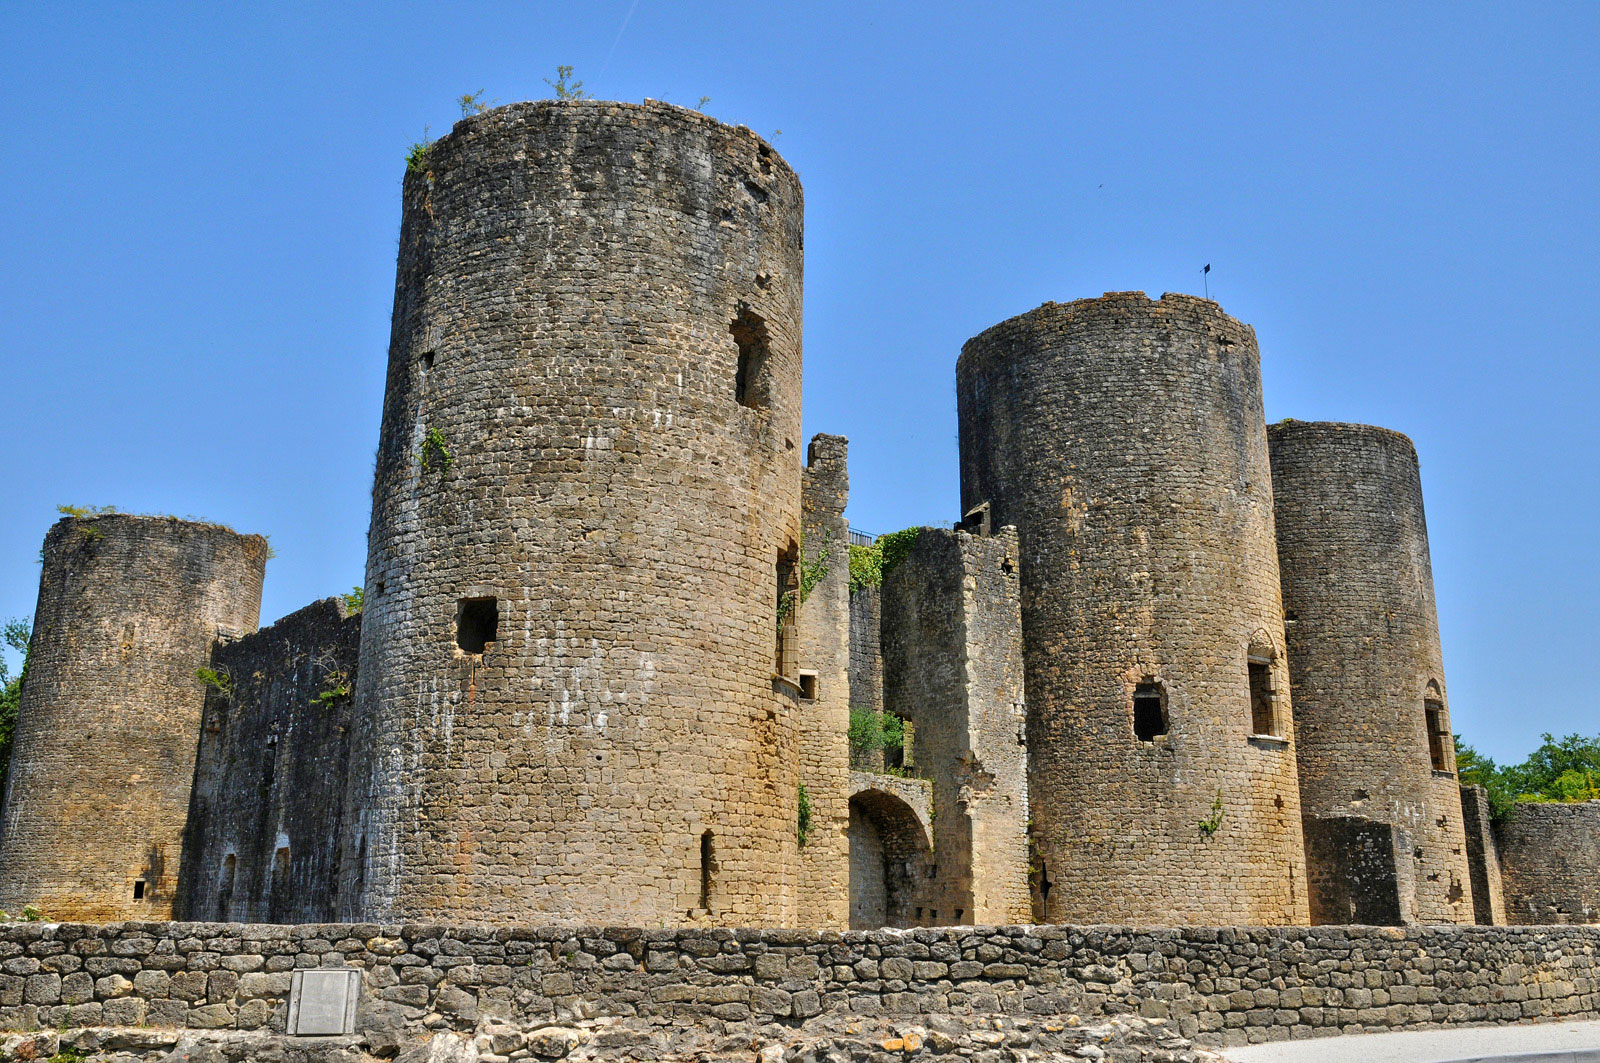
[129,608]
[262,843]
[585,515]
[1124,438]
[1371,714]
[825,687]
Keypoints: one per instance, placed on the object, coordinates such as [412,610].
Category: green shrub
[354,600]
[1561,769]
[872,731]
[803,827]
[219,681]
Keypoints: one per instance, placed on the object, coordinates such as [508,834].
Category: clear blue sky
[203,204]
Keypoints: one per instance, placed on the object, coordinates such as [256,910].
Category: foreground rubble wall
[1216,985]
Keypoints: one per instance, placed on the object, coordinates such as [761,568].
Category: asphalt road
[1547,1042]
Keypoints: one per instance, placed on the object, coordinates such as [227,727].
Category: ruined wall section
[1371,712]
[953,666]
[866,658]
[1550,862]
[1124,438]
[262,844]
[129,607]
[824,897]
[588,477]
[1483,858]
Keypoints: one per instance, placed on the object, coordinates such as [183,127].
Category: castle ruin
[1171,667]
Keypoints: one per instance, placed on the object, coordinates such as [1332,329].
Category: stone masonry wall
[824,895]
[262,840]
[129,607]
[1483,858]
[1124,438]
[1223,985]
[1549,854]
[1364,650]
[866,659]
[587,491]
[952,655]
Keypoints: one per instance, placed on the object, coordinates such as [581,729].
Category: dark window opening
[751,383]
[787,585]
[808,685]
[1438,750]
[960,913]
[1263,715]
[1149,712]
[706,857]
[427,360]
[225,889]
[138,889]
[477,623]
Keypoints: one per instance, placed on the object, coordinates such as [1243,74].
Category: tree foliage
[16,634]
[1561,769]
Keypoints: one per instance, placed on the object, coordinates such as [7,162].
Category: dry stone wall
[129,608]
[1124,438]
[1220,985]
[262,841]
[824,895]
[1549,856]
[588,479]
[1371,713]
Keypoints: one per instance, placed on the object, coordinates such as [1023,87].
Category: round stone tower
[129,609]
[577,698]
[1371,715]
[1124,438]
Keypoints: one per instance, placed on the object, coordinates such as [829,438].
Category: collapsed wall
[579,696]
[1550,862]
[129,608]
[824,895]
[1371,715]
[952,659]
[1124,438]
[262,843]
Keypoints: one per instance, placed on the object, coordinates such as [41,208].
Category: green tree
[16,634]
[1561,769]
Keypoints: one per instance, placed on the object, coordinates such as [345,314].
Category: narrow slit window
[1149,712]
[477,623]
[138,889]
[706,867]
[1438,744]
[1263,699]
[788,596]
[751,380]
[280,872]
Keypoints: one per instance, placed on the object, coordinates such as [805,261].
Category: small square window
[808,686]
[477,623]
[138,889]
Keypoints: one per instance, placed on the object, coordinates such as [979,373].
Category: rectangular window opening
[751,384]
[1436,736]
[477,623]
[1263,713]
[1149,712]
[808,686]
[138,889]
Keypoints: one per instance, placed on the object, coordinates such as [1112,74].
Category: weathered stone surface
[1371,716]
[591,436]
[1124,438]
[129,607]
[1549,856]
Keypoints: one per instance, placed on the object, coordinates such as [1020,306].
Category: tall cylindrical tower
[1124,438]
[1369,696]
[577,652]
[129,608]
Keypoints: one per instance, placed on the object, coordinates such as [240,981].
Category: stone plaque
[323,1002]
